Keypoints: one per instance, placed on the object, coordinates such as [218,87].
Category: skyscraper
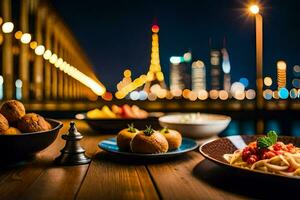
[215,71]
[198,76]
[179,79]
[226,70]
[281,74]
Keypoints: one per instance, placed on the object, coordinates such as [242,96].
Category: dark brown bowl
[114,125]
[16,147]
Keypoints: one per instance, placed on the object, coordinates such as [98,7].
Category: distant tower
[198,76]
[226,68]
[215,71]
[178,70]
[281,74]
[154,74]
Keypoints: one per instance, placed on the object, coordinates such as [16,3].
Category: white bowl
[206,125]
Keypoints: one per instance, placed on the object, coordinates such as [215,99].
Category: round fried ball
[12,110]
[3,124]
[32,122]
[12,131]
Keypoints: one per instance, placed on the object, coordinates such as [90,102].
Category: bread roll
[173,137]
[125,136]
[149,141]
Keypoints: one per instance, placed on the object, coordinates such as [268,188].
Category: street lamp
[254,9]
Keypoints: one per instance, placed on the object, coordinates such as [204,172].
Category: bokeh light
[202,94]
[268,94]
[244,81]
[214,94]
[283,93]
[268,81]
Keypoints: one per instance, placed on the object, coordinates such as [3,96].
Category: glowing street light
[7,27]
[254,9]
[25,38]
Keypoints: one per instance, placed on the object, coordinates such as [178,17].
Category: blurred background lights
[18,35]
[223,95]
[33,44]
[155,28]
[53,58]
[268,81]
[283,93]
[294,93]
[39,50]
[296,71]
[244,81]
[26,38]
[296,83]
[127,73]
[202,94]
[7,27]
[236,87]
[268,94]
[187,57]
[214,94]
[134,95]
[143,95]
[275,94]
[175,59]
[250,94]
[47,54]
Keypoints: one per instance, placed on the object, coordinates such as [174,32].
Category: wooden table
[185,177]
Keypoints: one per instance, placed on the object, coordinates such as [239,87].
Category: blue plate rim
[169,153]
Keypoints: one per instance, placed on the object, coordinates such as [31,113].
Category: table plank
[176,180]
[67,180]
[107,179]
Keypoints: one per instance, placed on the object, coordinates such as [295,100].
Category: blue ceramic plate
[110,145]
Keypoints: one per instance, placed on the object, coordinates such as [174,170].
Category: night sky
[116,34]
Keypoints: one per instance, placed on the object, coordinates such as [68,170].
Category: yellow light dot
[202,94]
[176,92]
[53,58]
[33,44]
[268,81]
[281,65]
[193,96]
[127,73]
[214,94]
[223,95]
[18,35]
[186,93]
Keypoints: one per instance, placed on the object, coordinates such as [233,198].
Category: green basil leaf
[273,136]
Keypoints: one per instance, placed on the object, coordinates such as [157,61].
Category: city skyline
[181,30]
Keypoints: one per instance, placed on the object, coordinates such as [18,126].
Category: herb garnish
[131,128]
[269,140]
[148,131]
[165,130]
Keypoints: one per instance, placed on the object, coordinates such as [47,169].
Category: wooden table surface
[107,177]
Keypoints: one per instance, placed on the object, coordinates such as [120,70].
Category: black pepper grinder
[72,153]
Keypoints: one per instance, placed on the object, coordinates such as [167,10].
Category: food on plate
[124,111]
[32,122]
[125,136]
[268,155]
[3,124]
[12,110]
[149,141]
[12,131]
[173,137]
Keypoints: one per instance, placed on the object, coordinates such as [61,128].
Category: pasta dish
[268,155]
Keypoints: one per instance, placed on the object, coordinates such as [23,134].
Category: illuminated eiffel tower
[154,75]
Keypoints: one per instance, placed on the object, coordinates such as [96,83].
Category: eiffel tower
[154,75]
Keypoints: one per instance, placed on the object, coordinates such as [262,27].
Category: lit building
[198,76]
[215,70]
[281,74]
[226,69]
[154,75]
[41,59]
[179,77]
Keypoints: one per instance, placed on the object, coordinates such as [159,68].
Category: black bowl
[25,145]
